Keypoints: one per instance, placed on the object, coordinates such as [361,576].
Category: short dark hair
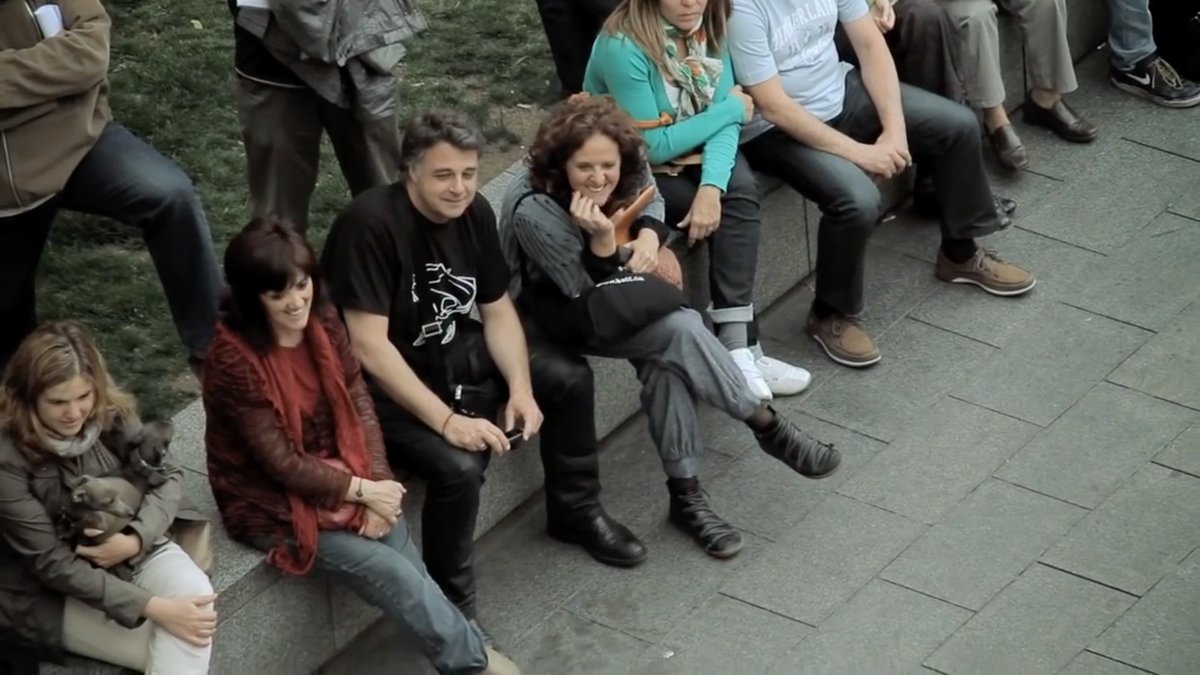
[263,258]
[565,130]
[438,126]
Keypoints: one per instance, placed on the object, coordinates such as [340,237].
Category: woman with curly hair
[585,167]
[56,402]
[666,63]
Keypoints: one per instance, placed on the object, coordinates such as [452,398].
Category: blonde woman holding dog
[56,400]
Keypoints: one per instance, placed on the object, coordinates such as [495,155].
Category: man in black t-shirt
[407,265]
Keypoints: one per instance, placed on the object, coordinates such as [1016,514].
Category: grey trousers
[679,363]
[1044,31]
[281,132]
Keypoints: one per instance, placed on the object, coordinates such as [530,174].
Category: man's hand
[645,252]
[113,551]
[523,410]
[374,526]
[475,434]
[875,160]
[895,143]
[884,15]
[705,215]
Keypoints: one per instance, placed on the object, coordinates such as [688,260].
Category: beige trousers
[1044,31]
[281,132]
[168,572]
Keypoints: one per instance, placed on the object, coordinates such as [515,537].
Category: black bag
[622,305]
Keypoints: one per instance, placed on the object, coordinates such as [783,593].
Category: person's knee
[170,190]
[959,119]
[857,208]
[459,471]
[562,379]
[978,18]
[924,13]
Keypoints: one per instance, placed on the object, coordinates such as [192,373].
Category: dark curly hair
[265,257]
[565,130]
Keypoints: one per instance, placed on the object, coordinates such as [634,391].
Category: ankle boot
[499,664]
[804,454]
[691,513]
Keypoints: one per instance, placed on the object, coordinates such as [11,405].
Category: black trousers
[563,388]
[733,248]
[22,240]
[924,45]
[571,27]
[940,132]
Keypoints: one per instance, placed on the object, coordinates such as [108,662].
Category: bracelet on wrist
[447,422]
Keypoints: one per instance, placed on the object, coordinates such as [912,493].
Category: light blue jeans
[1130,32]
[388,573]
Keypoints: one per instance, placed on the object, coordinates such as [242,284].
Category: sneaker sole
[991,289]
[788,391]
[828,473]
[845,362]
[1145,95]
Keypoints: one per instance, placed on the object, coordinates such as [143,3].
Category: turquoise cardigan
[620,68]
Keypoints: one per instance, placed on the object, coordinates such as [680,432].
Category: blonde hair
[641,21]
[53,354]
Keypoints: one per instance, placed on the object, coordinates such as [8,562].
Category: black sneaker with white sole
[1155,80]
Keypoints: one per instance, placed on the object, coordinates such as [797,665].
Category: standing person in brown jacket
[61,149]
[295,454]
[55,402]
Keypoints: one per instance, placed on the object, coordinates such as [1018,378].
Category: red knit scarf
[281,391]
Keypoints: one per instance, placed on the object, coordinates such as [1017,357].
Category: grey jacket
[319,40]
[38,569]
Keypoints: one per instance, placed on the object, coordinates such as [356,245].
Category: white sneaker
[782,378]
[744,358]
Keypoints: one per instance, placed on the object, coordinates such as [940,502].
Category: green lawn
[172,84]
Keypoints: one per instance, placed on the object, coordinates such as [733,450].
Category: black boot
[804,454]
[691,513]
[601,536]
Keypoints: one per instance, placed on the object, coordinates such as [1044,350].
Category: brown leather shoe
[844,340]
[988,271]
[1062,120]
[1010,152]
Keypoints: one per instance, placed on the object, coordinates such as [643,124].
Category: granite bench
[275,625]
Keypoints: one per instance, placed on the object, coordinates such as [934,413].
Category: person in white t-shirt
[833,132]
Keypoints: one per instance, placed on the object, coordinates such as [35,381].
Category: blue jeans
[389,574]
[1130,32]
[125,179]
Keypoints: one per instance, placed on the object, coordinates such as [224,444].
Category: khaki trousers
[1044,31]
[168,573]
[281,132]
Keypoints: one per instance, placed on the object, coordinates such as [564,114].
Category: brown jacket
[252,463]
[38,569]
[53,97]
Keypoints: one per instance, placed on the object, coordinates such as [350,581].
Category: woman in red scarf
[295,455]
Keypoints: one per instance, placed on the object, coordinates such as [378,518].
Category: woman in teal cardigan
[666,64]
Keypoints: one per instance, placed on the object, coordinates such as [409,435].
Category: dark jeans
[125,179]
[563,388]
[923,44]
[389,574]
[571,27]
[733,248]
[940,131]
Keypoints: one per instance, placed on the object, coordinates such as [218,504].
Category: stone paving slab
[1036,625]
[883,629]
[920,360]
[569,645]
[1088,663]
[841,545]
[1053,363]
[1183,453]
[1096,445]
[924,475]
[1138,535]
[723,635]
[1168,366]
[985,543]
[1160,633]
[1152,280]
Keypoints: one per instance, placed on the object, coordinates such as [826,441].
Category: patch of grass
[172,84]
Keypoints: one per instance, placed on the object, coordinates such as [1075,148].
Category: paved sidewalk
[1021,485]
